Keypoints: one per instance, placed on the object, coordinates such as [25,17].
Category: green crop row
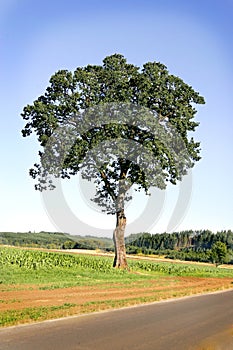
[177,269]
[34,260]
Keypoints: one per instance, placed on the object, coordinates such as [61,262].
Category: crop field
[38,285]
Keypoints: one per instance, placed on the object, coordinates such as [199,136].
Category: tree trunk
[119,241]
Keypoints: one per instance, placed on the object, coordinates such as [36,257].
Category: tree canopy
[219,252]
[119,125]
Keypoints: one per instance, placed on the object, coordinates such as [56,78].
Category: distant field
[37,285]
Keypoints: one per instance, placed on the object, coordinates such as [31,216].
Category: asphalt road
[180,324]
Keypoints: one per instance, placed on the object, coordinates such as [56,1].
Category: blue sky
[192,38]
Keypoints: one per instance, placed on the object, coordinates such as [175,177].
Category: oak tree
[118,124]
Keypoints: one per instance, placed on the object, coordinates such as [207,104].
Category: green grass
[180,269]
[10,317]
[24,269]
[57,270]
[50,270]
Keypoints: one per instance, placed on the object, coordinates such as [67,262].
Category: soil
[89,298]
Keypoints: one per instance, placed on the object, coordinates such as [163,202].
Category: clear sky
[192,38]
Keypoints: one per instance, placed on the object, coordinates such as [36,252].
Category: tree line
[202,245]
[54,240]
[185,245]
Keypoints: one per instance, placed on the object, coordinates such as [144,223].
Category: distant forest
[54,240]
[186,245]
[197,240]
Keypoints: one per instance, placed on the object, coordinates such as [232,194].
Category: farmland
[37,285]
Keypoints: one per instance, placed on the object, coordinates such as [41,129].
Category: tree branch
[107,185]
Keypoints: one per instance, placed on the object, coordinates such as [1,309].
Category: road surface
[201,322]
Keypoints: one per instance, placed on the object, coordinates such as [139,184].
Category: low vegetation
[41,260]
[38,285]
[186,245]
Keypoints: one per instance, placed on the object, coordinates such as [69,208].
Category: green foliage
[55,263]
[34,260]
[70,100]
[160,242]
[92,243]
[55,240]
[186,245]
[176,269]
[218,253]
[35,239]
[190,255]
